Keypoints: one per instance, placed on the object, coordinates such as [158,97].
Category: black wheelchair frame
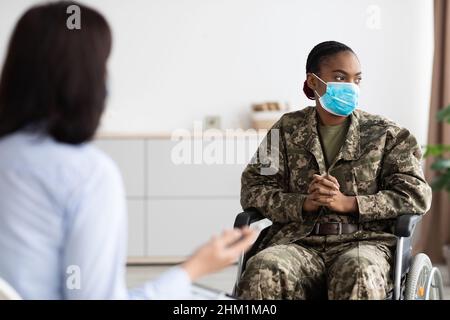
[404,228]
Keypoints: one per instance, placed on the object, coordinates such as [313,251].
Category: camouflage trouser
[315,268]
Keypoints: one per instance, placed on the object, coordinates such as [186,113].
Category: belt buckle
[339,227]
[317,228]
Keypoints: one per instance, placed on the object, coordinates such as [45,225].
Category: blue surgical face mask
[340,98]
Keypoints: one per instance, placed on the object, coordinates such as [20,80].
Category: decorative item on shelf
[264,115]
[212,122]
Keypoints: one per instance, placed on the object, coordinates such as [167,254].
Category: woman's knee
[359,278]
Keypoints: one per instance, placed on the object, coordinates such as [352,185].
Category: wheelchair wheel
[423,282]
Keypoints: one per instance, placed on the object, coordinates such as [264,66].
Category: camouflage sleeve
[403,188]
[264,181]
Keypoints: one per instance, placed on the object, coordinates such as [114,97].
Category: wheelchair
[415,278]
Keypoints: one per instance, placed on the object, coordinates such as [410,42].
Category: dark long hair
[53,78]
[317,56]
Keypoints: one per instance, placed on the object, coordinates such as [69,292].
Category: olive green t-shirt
[332,138]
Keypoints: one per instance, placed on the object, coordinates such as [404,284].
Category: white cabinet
[129,155]
[177,227]
[137,221]
[167,179]
[174,208]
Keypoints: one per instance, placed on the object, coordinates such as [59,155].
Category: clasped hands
[325,191]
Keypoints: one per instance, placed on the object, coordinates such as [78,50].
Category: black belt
[334,228]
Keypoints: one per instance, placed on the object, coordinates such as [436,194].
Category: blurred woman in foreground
[63,217]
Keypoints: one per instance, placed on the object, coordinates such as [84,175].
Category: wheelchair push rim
[424,282]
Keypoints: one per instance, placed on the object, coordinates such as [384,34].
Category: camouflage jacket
[379,163]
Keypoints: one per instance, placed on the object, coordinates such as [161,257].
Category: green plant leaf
[441,182]
[444,114]
[441,164]
[435,150]
[438,183]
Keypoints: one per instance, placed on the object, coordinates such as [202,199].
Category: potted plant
[441,165]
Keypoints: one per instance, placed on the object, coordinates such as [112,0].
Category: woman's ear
[315,84]
[311,81]
[307,89]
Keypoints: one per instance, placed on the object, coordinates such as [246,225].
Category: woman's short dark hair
[318,55]
[54,77]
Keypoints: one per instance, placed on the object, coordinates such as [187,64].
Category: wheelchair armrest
[247,217]
[405,224]
[404,228]
[243,219]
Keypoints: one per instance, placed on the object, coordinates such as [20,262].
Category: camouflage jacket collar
[307,137]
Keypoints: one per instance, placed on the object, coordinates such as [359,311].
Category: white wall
[176,61]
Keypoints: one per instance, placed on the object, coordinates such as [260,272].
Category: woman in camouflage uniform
[341,178]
